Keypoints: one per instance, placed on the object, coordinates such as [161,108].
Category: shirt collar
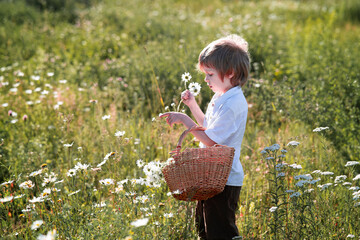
[229,93]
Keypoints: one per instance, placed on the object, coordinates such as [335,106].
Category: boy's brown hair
[229,56]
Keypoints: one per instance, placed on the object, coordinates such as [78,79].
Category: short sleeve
[223,126]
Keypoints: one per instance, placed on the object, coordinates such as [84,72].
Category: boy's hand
[188,98]
[175,117]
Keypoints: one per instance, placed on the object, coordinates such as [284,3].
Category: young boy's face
[213,80]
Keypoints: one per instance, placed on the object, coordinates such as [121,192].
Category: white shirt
[225,122]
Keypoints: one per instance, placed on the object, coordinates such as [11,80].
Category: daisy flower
[185,77]
[49,236]
[119,133]
[36,224]
[71,172]
[140,222]
[6,199]
[273,209]
[27,185]
[194,88]
[107,181]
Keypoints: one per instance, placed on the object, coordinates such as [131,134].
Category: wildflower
[274,147]
[168,215]
[36,200]
[5,105]
[306,177]
[194,88]
[140,222]
[346,183]
[273,209]
[325,186]
[48,178]
[282,174]
[28,91]
[102,163]
[295,166]
[8,182]
[176,192]
[293,143]
[119,189]
[14,121]
[309,190]
[289,191]
[102,204]
[72,193]
[50,74]
[350,236]
[327,173]
[63,81]
[14,90]
[140,163]
[25,117]
[35,173]
[319,129]
[46,192]
[270,158]
[340,178]
[27,185]
[295,194]
[68,145]
[36,224]
[317,171]
[6,199]
[282,156]
[351,163]
[301,183]
[105,117]
[71,172]
[284,151]
[263,152]
[119,133]
[354,188]
[80,166]
[357,204]
[142,199]
[51,235]
[93,101]
[107,182]
[356,195]
[110,154]
[35,78]
[357,177]
[315,181]
[185,77]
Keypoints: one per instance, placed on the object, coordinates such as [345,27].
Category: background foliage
[125,59]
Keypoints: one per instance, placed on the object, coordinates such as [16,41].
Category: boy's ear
[230,75]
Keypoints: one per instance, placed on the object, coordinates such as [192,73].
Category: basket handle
[183,135]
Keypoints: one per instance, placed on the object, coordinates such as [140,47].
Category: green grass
[123,58]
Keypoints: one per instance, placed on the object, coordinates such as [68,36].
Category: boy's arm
[176,117]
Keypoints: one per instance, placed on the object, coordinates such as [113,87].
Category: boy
[226,64]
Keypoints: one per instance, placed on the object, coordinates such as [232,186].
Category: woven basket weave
[198,173]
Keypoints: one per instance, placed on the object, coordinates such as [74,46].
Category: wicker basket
[198,173]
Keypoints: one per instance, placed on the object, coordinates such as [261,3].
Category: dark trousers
[215,217]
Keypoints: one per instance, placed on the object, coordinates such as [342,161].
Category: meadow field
[82,84]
